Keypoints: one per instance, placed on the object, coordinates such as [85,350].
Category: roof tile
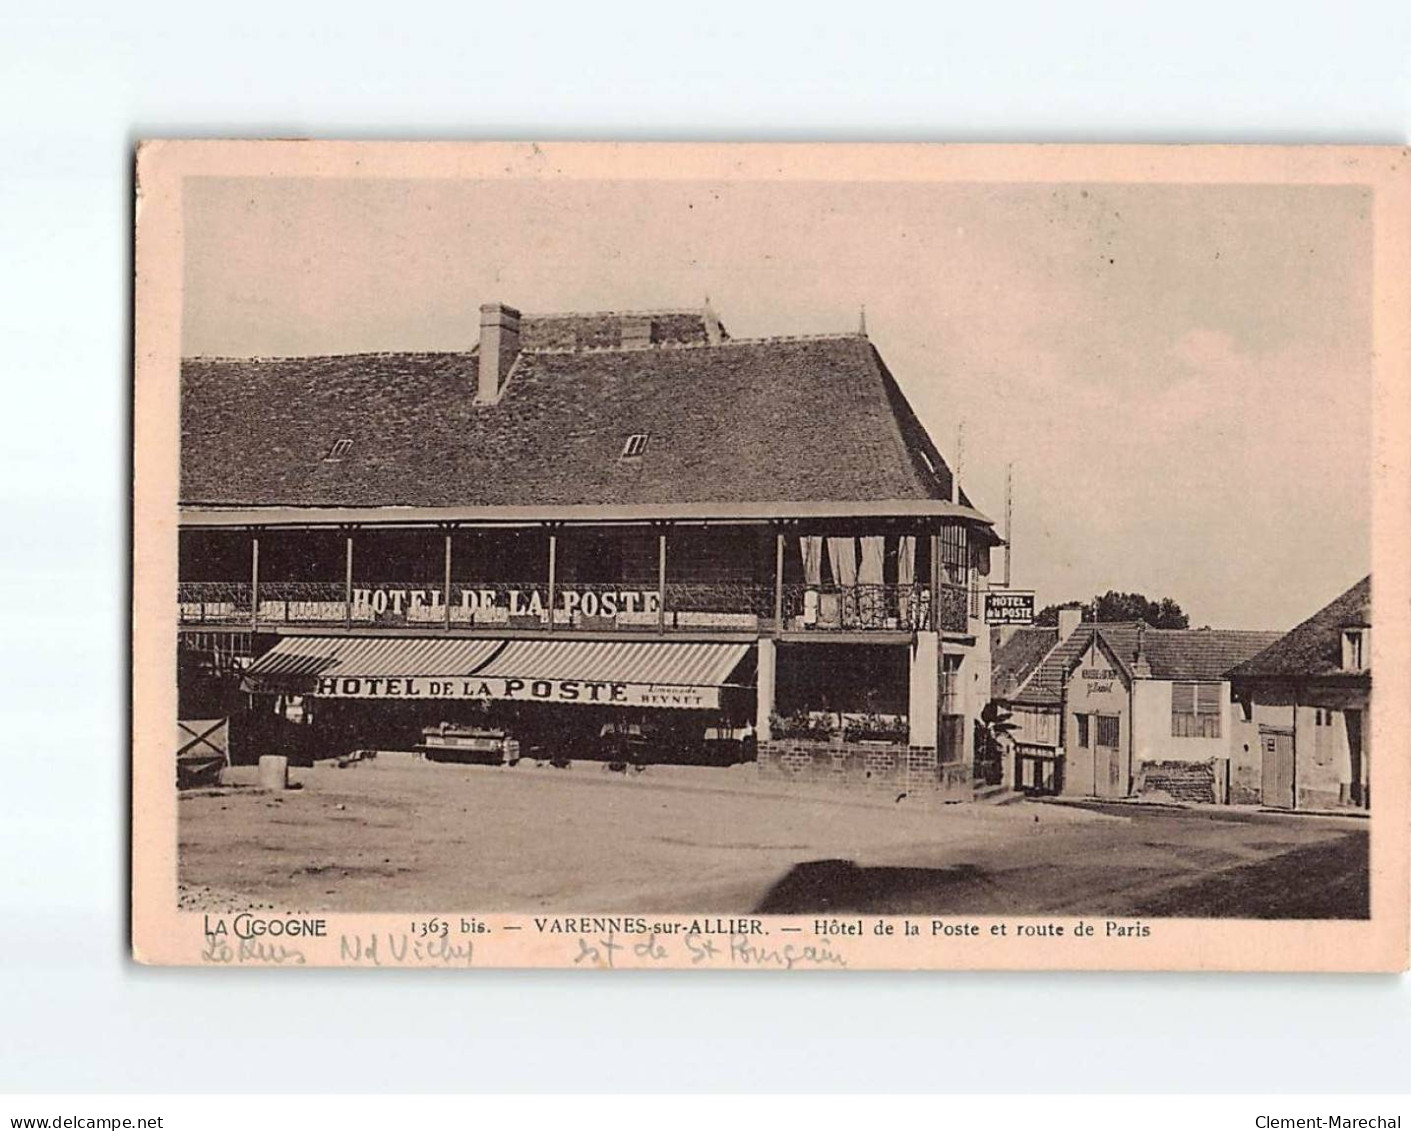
[806,420]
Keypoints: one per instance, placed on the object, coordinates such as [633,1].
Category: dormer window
[338,451]
[635,446]
[1354,649]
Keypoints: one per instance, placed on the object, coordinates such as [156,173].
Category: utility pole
[1008,519]
[959,460]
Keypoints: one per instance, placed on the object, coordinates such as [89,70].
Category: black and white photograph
[821,548]
[845,564]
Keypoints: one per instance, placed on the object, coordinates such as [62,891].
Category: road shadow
[840,885]
[1320,881]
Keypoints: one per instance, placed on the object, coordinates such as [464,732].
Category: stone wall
[863,766]
[1182,781]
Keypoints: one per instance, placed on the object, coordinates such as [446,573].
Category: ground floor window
[859,692]
[1195,710]
[1109,730]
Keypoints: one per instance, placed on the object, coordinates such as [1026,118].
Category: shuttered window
[1109,731]
[1195,710]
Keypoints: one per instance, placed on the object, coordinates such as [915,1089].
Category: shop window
[1083,732]
[1195,710]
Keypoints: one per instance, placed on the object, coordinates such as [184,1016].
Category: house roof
[1200,653]
[1044,685]
[1014,660]
[1184,654]
[746,421]
[1313,648]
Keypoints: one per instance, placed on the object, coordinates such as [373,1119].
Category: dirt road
[397,835]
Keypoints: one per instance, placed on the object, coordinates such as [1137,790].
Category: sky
[1180,375]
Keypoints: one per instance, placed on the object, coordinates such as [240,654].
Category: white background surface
[79,87]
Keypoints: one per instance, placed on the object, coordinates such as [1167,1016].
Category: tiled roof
[1045,682]
[763,420]
[1185,654]
[1200,653]
[1313,648]
[1013,661]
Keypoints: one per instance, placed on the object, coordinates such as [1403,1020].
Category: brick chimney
[499,346]
[712,323]
[636,332]
[1068,622]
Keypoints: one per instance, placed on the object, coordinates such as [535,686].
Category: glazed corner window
[1083,732]
[1354,646]
[1195,710]
[635,446]
[338,451]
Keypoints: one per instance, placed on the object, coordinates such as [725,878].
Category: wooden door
[1277,768]
[1109,780]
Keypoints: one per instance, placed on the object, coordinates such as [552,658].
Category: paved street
[398,835]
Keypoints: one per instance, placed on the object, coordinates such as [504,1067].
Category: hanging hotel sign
[586,691]
[1009,606]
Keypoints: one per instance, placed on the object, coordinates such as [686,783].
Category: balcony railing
[302,602]
[214,602]
[871,607]
[725,606]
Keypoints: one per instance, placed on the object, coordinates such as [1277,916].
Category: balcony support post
[924,699]
[553,566]
[764,687]
[446,592]
[937,616]
[348,580]
[778,582]
[254,581]
[661,581]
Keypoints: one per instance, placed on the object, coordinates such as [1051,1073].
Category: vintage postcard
[771,557]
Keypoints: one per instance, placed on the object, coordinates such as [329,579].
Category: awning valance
[624,673]
[633,673]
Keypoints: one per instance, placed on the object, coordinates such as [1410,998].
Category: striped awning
[301,659]
[604,672]
[668,663]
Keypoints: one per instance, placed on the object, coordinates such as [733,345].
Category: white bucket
[274,771]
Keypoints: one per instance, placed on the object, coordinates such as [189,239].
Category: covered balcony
[786,579]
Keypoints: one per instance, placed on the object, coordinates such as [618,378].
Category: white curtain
[811,547]
[842,554]
[873,552]
[910,604]
[906,560]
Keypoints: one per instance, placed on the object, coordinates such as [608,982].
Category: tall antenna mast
[959,460]
[1008,519]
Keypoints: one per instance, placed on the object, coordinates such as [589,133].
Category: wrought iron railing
[213,602]
[688,605]
[870,607]
[718,604]
[302,602]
